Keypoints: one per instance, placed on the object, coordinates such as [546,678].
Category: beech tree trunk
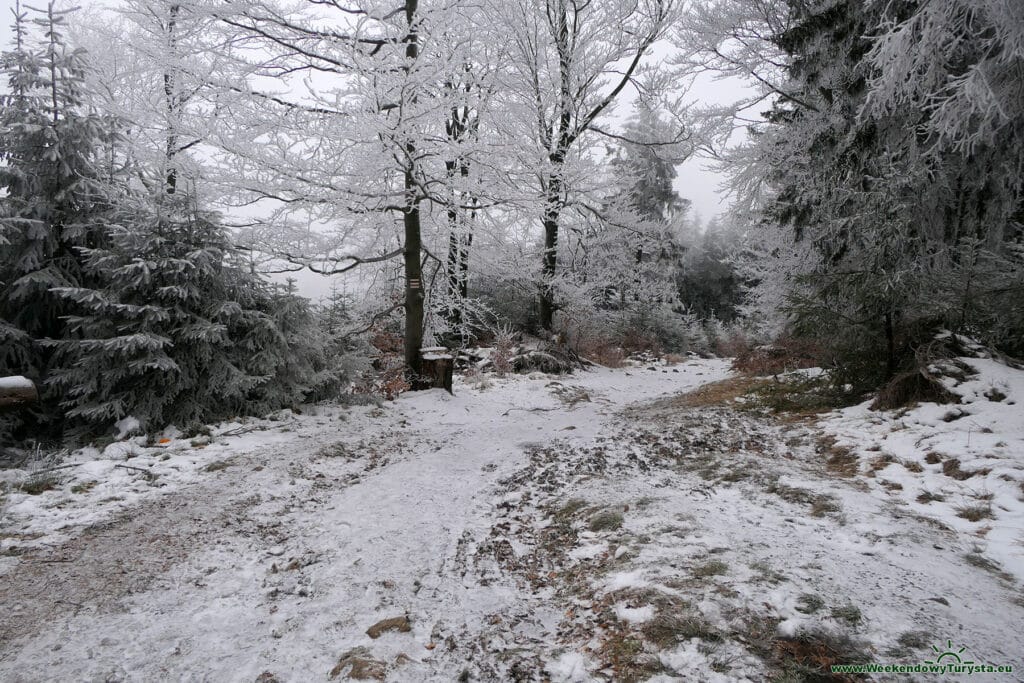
[173,105]
[552,214]
[414,294]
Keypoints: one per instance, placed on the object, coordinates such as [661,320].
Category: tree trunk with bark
[412,248]
[552,213]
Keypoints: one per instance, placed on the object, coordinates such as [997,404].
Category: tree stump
[16,392]
[436,366]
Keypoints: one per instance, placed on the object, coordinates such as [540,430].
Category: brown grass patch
[622,651]
[40,484]
[807,656]
[718,393]
[823,505]
[358,665]
[668,630]
[606,355]
[783,355]
[975,513]
[951,468]
[842,461]
[811,656]
[880,463]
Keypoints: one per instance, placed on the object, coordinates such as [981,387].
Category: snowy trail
[606,526]
[293,550]
[746,558]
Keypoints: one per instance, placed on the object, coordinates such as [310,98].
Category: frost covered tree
[710,283]
[362,146]
[569,63]
[885,197]
[621,263]
[122,297]
[645,209]
[181,331]
[153,340]
[55,199]
[959,64]
[889,192]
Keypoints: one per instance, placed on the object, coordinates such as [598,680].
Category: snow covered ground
[579,528]
[961,465]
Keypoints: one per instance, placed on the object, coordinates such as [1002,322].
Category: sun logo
[948,656]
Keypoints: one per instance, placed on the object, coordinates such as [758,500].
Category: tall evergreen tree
[54,201]
[644,212]
[887,216]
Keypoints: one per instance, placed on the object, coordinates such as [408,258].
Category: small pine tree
[161,339]
[288,349]
[181,331]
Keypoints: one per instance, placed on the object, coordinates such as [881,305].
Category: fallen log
[17,392]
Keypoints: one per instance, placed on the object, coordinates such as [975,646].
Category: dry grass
[824,505]
[765,574]
[807,656]
[84,487]
[847,613]
[783,355]
[606,520]
[808,603]
[842,461]
[879,464]
[357,664]
[811,656]
[718,393]
[911,388]
[951,468]
[709,569]
[976,559]
[622,651]
[40,484]
[570,509]
[975,513]
[606,355]
[668,630]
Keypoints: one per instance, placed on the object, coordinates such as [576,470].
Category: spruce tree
[895,215]
[54,203]
[173,333]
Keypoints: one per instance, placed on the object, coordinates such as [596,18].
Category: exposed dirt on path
[95,570]
[589,528]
